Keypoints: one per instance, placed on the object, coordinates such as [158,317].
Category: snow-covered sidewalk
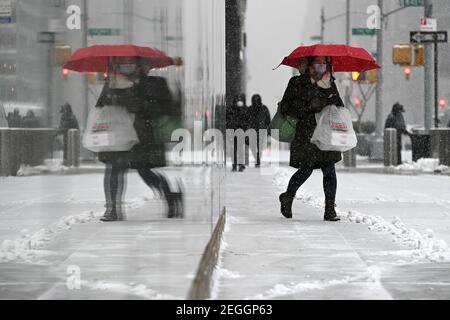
[384,248]
[51,240]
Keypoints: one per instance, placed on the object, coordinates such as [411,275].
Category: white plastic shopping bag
[110,128]
[334,131]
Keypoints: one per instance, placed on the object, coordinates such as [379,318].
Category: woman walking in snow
[305,96]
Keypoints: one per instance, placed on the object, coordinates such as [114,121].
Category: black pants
[239,152]
[329,181]
[115,184]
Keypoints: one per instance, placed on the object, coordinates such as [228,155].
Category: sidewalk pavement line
[377,281]
[202,283]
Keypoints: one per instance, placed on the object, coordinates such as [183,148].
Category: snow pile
[280,290]
[131,288]
[49,166]
[423,165]
[28,247]
[425,245]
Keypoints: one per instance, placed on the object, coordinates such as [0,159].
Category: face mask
[320,69]
[126,69]
[240,104]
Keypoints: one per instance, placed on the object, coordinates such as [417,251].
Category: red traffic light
[357,101]
[65,72]
[408,72]
[442,102]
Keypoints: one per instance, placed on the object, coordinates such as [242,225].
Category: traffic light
[91,78]
[365,77]
[372,76]
[442,102]
[407,71]
[402,54]
[419,53]
[65,73]
[356,101]
[62,55]
[408,55]
[355,75]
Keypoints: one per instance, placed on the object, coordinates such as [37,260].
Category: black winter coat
[148,100]
[397,121]
[303,100]
[238,118]
[259,117]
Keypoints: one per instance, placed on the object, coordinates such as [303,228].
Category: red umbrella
[97,58]
[344,58]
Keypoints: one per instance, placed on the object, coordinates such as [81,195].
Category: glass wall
[162,215]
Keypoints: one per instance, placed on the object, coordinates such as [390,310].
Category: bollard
[440,145]
[5,163]
[73,148]
[17,150]
[350,158]
[390,147]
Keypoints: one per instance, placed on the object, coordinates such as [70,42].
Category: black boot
[110,216]
[286,205]
[234,169]
[330,212]
[171,205]
[241,168]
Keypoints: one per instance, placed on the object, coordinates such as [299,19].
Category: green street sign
[411,3]
[363,32]
[318,38]
[104,32]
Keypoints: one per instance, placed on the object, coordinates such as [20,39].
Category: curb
[202,284]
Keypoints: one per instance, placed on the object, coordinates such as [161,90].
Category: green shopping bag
[286,125]
[164,126]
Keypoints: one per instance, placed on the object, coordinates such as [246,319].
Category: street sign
[428,37]
[104,32]
[428,24]
[411,3]
[316,38]
[363,32]
[46,37]
[5,11]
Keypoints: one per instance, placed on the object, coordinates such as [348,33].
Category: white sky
[274,29]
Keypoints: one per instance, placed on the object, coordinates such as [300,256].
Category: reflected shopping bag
[110,128]
[334,131]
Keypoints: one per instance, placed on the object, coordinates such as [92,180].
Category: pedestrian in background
[30,120]
[396,121]
[14,119]
[259,117]
[67,122]
[3,118]
[305,96]
[237,118]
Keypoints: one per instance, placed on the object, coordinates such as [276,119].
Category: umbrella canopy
[97,58]
[344,58]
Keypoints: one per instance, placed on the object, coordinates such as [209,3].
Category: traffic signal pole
[428,96]
[379,89]
[347,42]
[436,84]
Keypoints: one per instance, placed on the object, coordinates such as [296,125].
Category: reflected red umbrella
[97,58]
[344,58]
